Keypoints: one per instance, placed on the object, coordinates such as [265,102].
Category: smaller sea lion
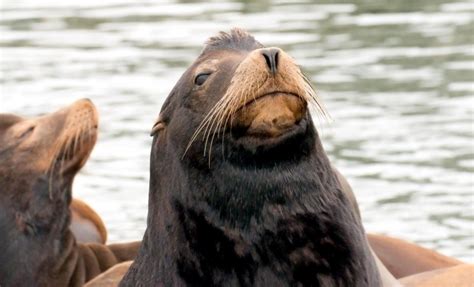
[457,276]
[39,159]
[86,224]
[403,258]
[111,277]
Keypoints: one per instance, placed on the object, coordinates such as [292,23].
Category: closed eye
[27,132]
[201,78]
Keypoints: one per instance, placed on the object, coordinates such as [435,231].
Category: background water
[396,77]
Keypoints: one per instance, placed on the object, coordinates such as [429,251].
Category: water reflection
[396,76]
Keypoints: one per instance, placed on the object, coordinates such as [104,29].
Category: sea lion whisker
[208,118]
[215,126]
[314,99]
[219,125]
[229,105]
[208,122]
[226,122]
[57,165]
[201,126]
[211,124]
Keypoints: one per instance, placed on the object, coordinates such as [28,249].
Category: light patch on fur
[86,224]
[85,231]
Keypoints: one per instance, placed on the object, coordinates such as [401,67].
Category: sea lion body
[86,224]
[39,159]
[403,258]
[111,277]
[460,276]
[252,200]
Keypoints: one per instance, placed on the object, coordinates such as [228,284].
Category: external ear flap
[158,126]
[7,120]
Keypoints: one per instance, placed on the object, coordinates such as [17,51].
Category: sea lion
[403,258]
[111,277]
[86,224]
[460,276]
[241,190]
[39,159]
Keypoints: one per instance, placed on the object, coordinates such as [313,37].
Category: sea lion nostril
[271,58]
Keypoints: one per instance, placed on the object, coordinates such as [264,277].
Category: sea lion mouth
[75,153]
[269,117]
[255,140]
[269,94]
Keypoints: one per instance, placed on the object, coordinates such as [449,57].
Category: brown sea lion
[39,159]
[457,276]
[403,258]
[86,224]
[252,200]
[111,277]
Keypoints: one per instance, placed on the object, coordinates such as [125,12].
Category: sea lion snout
[275,95]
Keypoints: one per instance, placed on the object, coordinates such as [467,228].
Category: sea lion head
[39,158]
[238,96]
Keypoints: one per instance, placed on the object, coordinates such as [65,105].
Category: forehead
[236,39]
[213,59]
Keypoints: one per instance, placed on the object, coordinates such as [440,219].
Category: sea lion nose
[271,58]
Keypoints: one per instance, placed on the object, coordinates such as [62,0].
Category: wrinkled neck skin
[36,246]
[225,225]
[33,248]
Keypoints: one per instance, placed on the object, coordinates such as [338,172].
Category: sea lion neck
[237,185]
[239,197]
[34,246]
[249,232]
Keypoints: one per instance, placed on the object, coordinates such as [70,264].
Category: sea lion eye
[201,78]
[27,132]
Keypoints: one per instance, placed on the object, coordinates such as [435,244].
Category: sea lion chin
[241,190]
[269,120]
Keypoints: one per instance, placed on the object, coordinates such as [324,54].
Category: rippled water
[396,77]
